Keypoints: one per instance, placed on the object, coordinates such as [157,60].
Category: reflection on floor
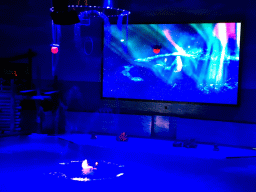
[150,165]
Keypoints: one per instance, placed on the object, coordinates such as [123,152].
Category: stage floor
[150,164]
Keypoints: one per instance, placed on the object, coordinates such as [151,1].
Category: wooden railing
[9,100]
[9,110]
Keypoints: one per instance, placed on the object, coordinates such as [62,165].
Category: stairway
[9,112]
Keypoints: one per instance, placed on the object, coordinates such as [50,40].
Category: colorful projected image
[173,62]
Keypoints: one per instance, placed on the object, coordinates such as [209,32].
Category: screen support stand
[153,127]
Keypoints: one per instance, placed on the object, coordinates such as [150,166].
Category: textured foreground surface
[149,165]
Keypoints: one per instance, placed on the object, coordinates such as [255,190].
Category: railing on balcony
[9,109]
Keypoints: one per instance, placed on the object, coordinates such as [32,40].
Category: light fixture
[156,48]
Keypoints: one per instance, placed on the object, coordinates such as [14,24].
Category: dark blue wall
[27,24]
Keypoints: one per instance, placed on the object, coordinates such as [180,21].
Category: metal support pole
[153,127]
[38,101]
[38,119]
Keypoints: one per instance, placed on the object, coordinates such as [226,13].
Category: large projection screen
[197,62]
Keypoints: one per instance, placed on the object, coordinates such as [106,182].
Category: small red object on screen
[156,51]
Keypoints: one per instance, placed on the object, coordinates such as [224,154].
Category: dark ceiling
[186,10]
[142,11]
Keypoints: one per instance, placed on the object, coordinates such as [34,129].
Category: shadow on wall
[80,95]
[74,99]
[108,123]
[101,121]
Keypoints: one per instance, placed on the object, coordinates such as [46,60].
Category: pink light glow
[168,36]
[231,30]
[224,31]
[216,31]
[54,50]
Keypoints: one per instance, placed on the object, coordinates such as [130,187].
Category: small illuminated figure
[86,168]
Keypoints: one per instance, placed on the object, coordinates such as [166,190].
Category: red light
[14,73]
[54,50]
[156,51]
